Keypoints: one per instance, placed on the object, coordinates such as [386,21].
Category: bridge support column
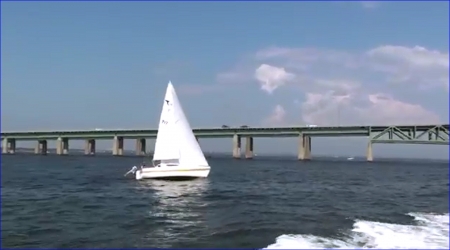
[304,147]
[12,146]
[249,148]
[5,146]
[8,146]
[89,147]
[118,145]
[59,146]
[307,147]
[62,146]
[41,147]
[369,152]
[237,146]
[140,146]
[65,146]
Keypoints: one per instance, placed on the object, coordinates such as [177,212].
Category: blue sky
[81,65]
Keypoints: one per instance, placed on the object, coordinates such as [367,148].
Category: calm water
[77,201]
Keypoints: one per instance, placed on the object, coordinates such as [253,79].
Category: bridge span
[437,134]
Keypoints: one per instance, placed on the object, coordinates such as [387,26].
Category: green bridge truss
[412,135]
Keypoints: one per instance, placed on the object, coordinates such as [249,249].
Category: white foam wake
[430,232]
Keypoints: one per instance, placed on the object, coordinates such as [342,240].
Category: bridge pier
[41,147]
[89,147]
[249,148]
[140,146]
[5,146]
[62,146]
[369,152]
[59,146]
[304,147]
[118,145]
[8,146]
[237,146]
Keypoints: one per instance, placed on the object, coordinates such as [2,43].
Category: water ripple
[84,202]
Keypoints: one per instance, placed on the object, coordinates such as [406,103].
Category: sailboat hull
[173,173]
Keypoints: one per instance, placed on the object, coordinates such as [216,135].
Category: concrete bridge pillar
[236,146]
[307,147]
[9,146]
[12,146]
[89,147]
[59,146]
[5,146]
[369,152]
[62,146]
[249,148]
[304,147]
[65,146]
[140,146]
[118,145]
[41,147]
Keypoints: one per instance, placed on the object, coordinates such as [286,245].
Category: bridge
[437,134]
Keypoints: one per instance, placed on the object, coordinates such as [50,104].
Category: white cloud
[395,64]
[352,88]
[384,109]
[414,65]
[271,78]
[362,109]
[277,117]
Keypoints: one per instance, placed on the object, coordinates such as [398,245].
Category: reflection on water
[176,189]
[178,208]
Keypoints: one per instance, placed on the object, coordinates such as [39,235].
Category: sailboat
[177,153]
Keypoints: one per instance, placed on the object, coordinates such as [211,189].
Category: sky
[86,65]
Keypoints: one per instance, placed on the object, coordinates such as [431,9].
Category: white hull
[172,172]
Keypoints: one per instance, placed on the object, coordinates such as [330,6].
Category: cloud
[418,64]
[271,78]
[394,64]
[277,117]
[363,109]
[345,87]
[384,109]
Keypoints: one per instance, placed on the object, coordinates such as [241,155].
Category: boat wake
[430,232]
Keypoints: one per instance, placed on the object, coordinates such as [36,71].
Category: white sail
[190,152]
[165,147]
[175,139]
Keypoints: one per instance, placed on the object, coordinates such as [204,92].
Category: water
[77,201]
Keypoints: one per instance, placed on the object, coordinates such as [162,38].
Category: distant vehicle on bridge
[244,126]
[311,125]
[225,126]
[98,129]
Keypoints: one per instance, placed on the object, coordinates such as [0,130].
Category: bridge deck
[409,131]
